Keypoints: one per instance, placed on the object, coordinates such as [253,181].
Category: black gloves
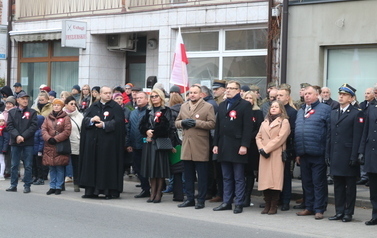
[361,159]
[264,154]
[52,141]
[327,160]
[188,123]
[353,163]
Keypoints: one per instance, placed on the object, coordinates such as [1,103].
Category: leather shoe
[238,209]
[318,216]
[11,189]
[216,199]
[361,182]
[27,190]
[187,203]
[372,222]
[301,206]
[347,218]
[143,194]
[199,205]
[284,207]
[305,213]
[336,217]
[224,206]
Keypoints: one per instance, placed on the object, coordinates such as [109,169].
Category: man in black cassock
[102,148]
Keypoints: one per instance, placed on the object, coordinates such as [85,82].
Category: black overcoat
[344,141]
[253,154]
[102,150]
[368,144]
[230,134]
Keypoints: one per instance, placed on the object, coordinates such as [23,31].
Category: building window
[47,63]
[227,54]
[355,66]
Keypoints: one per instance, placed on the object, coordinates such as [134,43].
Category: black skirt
[154,163]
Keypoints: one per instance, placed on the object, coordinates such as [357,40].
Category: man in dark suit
[284,96]
[231,141]
[368,148]
[369,100]
[326,98]
[346,126]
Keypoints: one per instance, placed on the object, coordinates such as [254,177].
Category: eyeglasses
[154,96]
[229,88]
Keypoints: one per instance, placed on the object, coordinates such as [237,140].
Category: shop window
[47,63]
[355,66]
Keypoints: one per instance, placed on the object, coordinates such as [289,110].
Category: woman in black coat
[157,123]
[252,155]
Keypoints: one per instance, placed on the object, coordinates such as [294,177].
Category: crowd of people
[225,141]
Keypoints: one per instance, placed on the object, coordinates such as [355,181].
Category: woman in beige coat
[271,140]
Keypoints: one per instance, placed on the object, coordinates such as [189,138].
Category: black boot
[248,190]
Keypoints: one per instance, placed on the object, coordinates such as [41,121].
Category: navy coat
[368,145]
[230,134]
[344,141]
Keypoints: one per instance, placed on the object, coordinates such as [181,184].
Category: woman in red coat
[56,128]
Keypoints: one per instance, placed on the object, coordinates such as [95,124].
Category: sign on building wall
[3,41]
[74,34]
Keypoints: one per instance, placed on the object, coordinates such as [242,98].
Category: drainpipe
[284,43]
[9,56]
[269,43]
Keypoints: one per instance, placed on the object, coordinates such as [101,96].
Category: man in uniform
[101,148]
[346,126]
[311,130]
[231,141]
[196,118]
[218,88]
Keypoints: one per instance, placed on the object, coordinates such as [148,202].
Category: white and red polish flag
[179,74]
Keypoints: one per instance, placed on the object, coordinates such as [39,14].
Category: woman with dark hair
[157,123]
[56,128]
[271,142]
[76,119]
[251,169]
[95,93]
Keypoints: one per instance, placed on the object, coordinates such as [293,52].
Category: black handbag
[64,147]
[164,144]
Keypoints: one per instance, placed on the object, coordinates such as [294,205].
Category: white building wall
[98,66]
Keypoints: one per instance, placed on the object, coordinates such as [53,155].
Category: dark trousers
[314,181]
[215,179]
[178,186]
[37,167]
[345,194]
[201,168]
[75,168]
[234,182]
[137,167]
[373,193]
[286,194]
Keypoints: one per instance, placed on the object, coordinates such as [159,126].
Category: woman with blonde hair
[271,142]
[251,169]
[85,98]
[157,123]
[64,95]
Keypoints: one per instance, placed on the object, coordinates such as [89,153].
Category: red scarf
[1,130]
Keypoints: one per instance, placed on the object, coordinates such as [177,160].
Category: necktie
[308,108]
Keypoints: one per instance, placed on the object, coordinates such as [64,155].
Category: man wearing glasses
[231,141]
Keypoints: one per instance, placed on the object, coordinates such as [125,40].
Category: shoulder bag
[164,144]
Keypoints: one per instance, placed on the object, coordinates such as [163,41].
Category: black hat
[175,89]
[245,88]
[22,94]
[77,87]
[17,85]
[218,84]
[52,93]
[136,89]
[346,88]
[96,88]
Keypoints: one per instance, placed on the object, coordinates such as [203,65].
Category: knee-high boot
[274,202]
[248,190]
[267,199]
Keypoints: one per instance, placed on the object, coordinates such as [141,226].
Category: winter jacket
[38,139]
[4,141]
[22,122]
[134,137]
[76,121]
[59,128]
[311,131]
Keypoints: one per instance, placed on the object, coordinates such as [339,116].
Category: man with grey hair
[326,98]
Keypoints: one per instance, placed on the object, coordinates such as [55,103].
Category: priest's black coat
[102,150]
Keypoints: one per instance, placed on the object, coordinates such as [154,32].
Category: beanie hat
[175,89]
[2,117]
[52,93]
[58,101]
[47,89]
[117,95]
[96,88]
[42,86]
[245,88]
[11,100]
[77,87]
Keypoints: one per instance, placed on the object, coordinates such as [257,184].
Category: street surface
[68,215]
